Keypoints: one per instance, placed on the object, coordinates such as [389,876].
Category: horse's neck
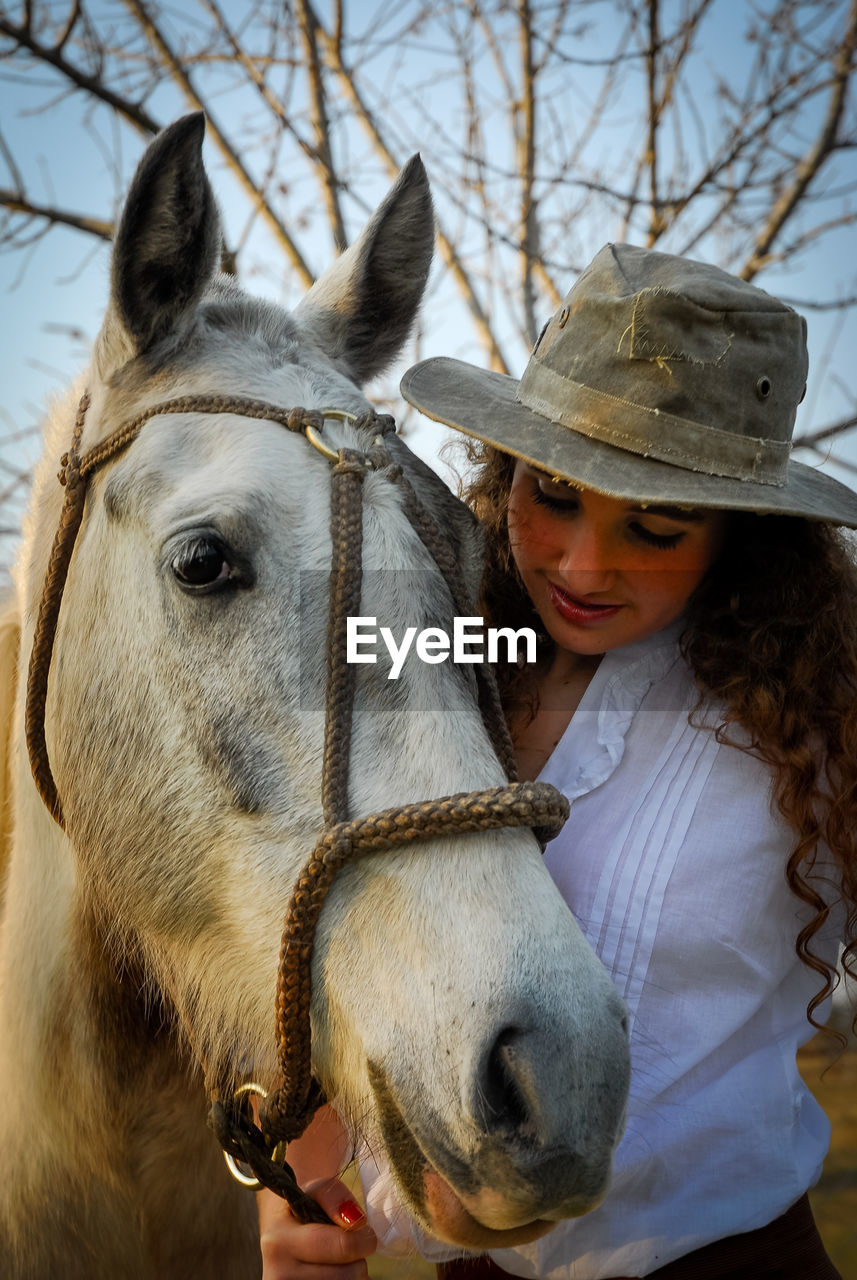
[64,1027]
[96,1096]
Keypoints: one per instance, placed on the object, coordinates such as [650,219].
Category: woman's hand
[294,1251]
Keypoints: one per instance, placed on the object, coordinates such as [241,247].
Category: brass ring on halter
[236,1167]
[342,415]
[316,440]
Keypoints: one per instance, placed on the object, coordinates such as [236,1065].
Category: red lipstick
[581,612]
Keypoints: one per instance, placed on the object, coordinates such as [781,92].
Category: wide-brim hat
[659,380]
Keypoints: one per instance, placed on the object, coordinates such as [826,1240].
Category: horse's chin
[504,1205]
[453,1222]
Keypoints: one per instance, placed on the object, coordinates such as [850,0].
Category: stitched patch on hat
[667,326]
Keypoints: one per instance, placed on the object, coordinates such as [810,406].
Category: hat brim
[483,404]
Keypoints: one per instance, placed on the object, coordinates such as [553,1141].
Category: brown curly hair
[772,633]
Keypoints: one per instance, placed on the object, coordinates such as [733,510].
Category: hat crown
[682,362]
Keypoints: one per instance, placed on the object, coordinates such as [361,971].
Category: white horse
[460,1021]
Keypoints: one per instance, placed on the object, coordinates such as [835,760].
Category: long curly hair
[771,633]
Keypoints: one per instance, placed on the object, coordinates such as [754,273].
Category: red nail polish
[350,1213]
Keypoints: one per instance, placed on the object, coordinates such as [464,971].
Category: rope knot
[297,419]
[336,847]
[384,424]
[381,461]
[351,463]
[69,472]
[244,1142]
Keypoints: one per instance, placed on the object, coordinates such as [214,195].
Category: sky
[59,285]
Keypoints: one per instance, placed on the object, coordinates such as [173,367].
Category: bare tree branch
[176,68]
[16,202]
[652,55]
[93,84]
[70,24]
[252,66]
[448,251]
[527,165]
[821,304]
[321,128]
[824,144]
[812,438]
[14,171]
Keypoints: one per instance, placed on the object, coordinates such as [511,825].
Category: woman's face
[602,572]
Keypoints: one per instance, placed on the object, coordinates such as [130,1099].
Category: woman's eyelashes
[663,541]
[554,501]
[569,505]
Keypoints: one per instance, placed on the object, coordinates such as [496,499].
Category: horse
[460,1022]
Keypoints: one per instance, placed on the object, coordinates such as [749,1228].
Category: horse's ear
[167,246]
[361,310]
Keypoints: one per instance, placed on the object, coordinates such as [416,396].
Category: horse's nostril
[501,1099]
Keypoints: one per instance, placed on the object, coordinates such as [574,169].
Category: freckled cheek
[532,538]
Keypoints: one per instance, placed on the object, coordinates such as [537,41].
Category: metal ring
[341,415]
[316,440]
[235,1168]
[344,415]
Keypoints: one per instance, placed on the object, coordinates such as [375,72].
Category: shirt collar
[594,741]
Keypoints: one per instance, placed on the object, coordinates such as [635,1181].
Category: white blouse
[674,865]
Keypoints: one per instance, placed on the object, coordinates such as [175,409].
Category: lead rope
[286,1112]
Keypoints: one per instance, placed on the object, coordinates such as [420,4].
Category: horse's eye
[200,564]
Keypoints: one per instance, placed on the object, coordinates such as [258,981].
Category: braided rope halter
[285,1113]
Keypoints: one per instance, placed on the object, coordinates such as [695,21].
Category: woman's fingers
[352,1234]
[295,1251]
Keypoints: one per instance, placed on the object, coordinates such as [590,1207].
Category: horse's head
[460,1020]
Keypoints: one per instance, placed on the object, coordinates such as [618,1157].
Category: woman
[694,698]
